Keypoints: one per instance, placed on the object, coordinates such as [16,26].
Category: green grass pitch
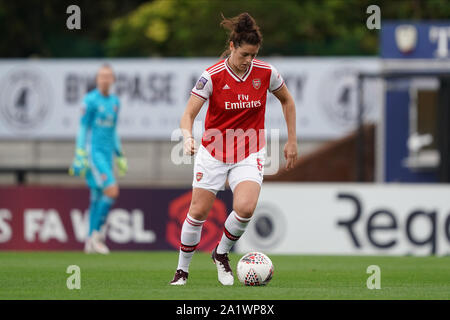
[145,275]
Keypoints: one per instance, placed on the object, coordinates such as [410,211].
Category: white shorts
[211,174]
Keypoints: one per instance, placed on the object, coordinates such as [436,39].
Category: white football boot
[180,278]
[102,233]
[224,272]
[95,244]
[88,246]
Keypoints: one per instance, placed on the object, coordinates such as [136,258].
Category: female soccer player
[97,141]
[233,144]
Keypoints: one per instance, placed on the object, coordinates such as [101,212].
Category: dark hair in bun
[243,29]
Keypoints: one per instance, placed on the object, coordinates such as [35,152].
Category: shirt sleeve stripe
[192,92]
[278,87]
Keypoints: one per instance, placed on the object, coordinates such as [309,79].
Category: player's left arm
[117,144]
[122,163]
[288,105]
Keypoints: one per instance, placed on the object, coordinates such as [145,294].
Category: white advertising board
[350,219]
[40,99]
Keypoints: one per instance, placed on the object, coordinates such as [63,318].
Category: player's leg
[102,172]
[103,167]
[107,200]
[95,194]
[105,203]
[95,188]
[245,197]
[245,178]
[201,204]
[209,177]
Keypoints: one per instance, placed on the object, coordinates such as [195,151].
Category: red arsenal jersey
[234,124]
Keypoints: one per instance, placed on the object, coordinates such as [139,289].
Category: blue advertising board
[410,46]
[415,40]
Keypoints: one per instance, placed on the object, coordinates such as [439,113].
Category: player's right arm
[193,107]
[86,121]
[199,94]
[80,162]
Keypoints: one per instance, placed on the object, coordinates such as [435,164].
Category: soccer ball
[255,269]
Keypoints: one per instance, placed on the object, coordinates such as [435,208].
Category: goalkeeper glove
[80,164]
[122,165]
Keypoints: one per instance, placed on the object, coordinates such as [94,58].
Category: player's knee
[112,192]
[198,210]
[244,209]
[201,203]
[197,215]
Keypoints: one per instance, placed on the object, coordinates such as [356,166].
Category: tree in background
[191,28]
[37,28]
[186,28]
[290,27]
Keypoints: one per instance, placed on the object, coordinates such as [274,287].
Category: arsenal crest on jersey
[199,176]
[256,83]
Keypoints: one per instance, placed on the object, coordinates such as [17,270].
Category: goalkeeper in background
[96,144]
